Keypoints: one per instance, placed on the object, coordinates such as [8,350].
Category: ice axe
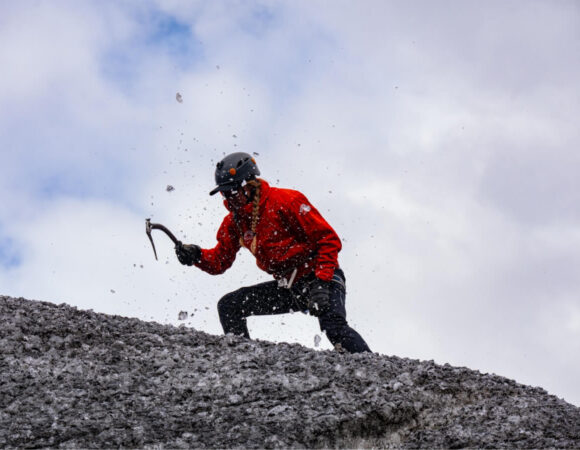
[157,226]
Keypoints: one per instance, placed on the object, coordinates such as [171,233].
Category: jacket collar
[247,209]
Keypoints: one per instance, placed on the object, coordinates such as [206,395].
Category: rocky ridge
[71,378]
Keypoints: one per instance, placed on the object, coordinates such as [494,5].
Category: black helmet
[233,170]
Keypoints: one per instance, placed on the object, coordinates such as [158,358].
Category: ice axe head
[148,231]
[157,226]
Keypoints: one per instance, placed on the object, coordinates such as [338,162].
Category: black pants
[268,298]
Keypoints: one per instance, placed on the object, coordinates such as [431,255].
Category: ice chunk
[317,340]
[179,98]
[182,315]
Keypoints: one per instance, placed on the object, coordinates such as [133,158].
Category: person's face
[237,198]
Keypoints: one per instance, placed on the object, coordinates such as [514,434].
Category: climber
[290,240]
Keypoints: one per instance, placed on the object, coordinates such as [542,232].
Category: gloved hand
[187,254]
[319,301]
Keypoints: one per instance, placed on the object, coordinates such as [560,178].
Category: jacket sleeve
[318,232]
[220,258]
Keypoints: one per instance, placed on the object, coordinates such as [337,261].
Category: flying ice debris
[169,188]
[317,340]
[179,98]
[182,315]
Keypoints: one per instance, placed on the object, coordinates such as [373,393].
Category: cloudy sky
[440,139]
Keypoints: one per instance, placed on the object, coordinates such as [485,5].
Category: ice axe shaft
[157,226]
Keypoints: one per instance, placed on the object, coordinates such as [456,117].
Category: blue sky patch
[259,21]
[106,179]
[157,33]
[172,34]
[56,185]
[9,255]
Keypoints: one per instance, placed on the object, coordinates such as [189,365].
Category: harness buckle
[286,283]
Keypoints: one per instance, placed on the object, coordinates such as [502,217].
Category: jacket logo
[304,208]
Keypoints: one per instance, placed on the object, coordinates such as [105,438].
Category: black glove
[187,254]
[319,301]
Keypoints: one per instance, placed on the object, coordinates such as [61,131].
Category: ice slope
[73,378]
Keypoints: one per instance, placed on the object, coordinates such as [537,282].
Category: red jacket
[290,234]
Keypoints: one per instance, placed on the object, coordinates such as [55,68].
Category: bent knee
[227,303]
[232,303]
